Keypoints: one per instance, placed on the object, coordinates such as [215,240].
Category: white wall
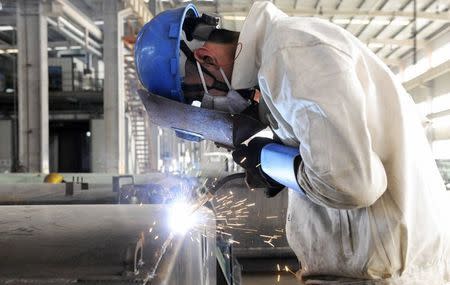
[98,154]
[5,145]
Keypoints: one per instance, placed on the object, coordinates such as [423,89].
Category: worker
[365,195]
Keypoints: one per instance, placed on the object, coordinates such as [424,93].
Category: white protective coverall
[374,197]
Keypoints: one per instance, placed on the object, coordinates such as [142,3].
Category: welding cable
[221,182]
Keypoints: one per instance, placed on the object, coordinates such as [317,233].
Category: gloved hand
[249,157]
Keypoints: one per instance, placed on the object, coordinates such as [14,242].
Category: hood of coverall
[248,53]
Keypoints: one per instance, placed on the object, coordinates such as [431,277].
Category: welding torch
[211,191]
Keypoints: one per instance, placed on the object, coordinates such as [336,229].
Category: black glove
[249,157]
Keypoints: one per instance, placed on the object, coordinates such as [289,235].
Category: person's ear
[206,57]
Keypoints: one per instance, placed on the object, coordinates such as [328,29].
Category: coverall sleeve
[316,94]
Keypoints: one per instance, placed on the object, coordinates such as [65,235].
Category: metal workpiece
[107,244]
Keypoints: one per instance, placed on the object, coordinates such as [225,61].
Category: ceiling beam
[443,17]
[395,42]
[65,7]
[428,75]
[4,46]
[392,62]
[72,36]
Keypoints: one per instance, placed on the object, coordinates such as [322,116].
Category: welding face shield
[159,52]
[195,32]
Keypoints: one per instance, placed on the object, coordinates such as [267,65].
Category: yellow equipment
[53,178]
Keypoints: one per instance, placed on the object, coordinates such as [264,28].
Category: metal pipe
[75,30]
[73,37]
[80,18]
[81,42]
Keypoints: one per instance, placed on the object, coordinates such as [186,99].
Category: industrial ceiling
[390,28]
[393,29]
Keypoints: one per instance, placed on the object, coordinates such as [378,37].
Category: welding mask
[233,102]
[159,50]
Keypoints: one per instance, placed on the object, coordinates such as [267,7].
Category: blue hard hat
[157,52]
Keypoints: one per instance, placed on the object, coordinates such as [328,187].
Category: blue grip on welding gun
[277,161]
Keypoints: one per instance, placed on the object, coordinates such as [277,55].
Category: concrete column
[114,90]
[32,85]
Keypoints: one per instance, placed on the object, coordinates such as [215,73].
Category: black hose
[221,182]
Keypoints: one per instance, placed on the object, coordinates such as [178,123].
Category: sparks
[181,218]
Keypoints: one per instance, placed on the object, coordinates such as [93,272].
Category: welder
[365,195]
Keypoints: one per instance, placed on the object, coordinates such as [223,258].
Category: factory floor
[268,279]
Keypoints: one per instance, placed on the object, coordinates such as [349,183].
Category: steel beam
[443,16]
[33,85]
[69,34]
[4,46]
[390,61]
[77,16]
[395,42]
[428,75]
